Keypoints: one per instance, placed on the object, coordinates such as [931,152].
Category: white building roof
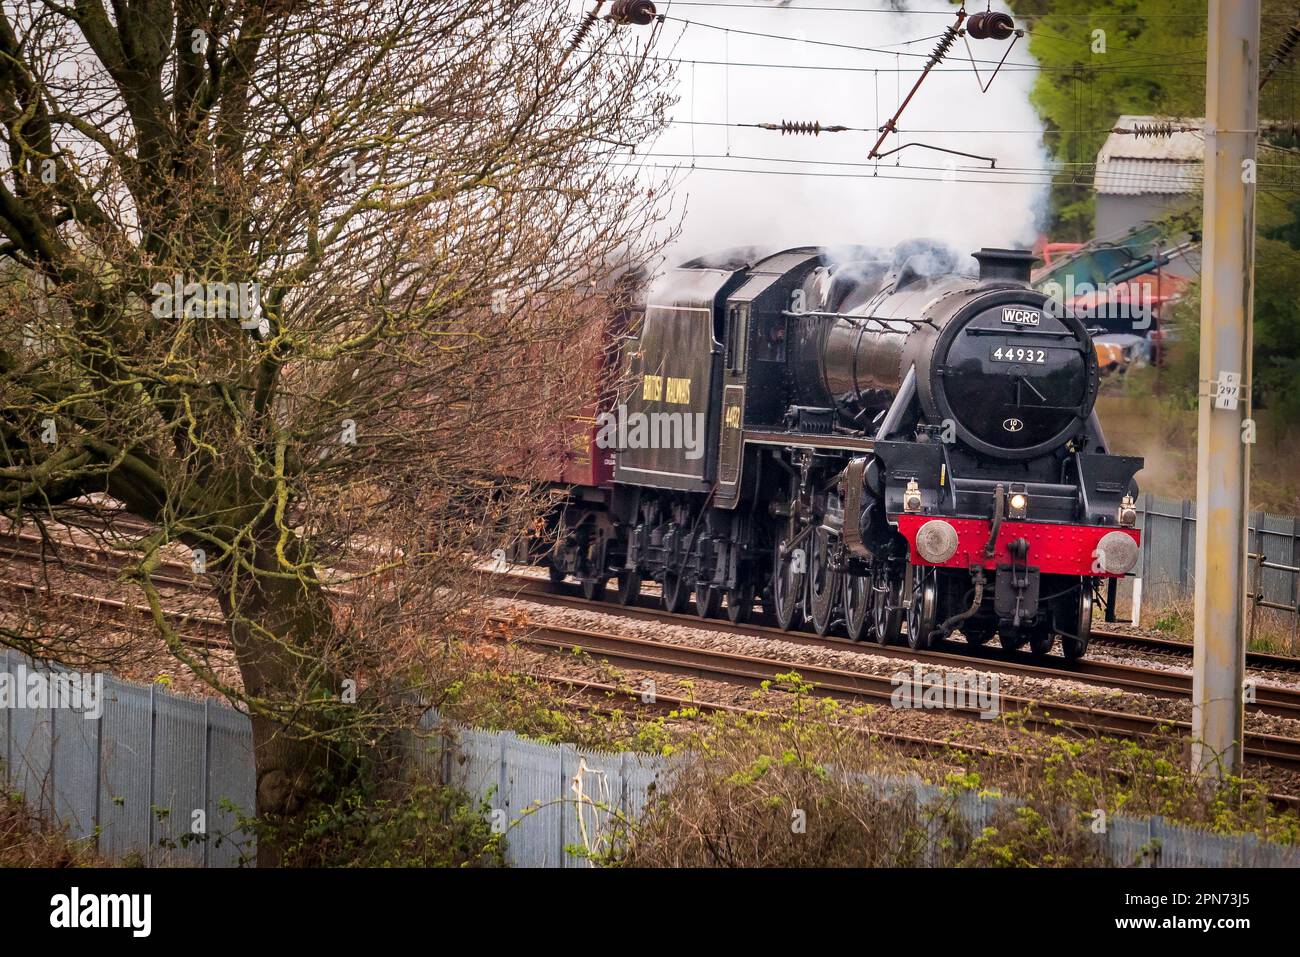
[1131,165]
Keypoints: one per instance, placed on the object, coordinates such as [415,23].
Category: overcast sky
[728,209]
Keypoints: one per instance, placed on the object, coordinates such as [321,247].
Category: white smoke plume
[917,192]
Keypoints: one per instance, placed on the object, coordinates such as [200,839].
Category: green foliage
[1277,321]
[411,825]
[1153,64]
[1277,328]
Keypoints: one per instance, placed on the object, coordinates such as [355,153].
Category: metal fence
[550,800]
[132,779]
[1166,571]
[564,784]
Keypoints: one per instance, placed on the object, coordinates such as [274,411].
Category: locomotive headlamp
[1128,514]
[1116,553]
[1017,503]
[936,540]
[912,497]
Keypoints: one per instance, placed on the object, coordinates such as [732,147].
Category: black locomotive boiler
[860,446]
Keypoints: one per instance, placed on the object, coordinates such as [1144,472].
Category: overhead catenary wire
[822,43]
[873,69]
[1144,58]
[802,8]
[1056,172]
[1291,187]
[1189,180]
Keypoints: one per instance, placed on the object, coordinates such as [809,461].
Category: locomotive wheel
[856,599]
[921,609]
[708,599]
[629,587]
[593,589]
[823,584]
[887,609]
[1075,648]
[740,604]
[557,575]
[787,588]
[675,593]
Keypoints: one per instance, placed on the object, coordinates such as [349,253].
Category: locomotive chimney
[1005,264]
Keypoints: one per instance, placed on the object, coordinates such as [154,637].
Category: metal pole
[1223,457]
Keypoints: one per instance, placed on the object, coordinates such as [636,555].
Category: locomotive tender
[879,451]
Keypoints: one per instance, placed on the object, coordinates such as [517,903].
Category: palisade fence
[131,780]
[1167,566]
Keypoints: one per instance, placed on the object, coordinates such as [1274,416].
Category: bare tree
[281,280]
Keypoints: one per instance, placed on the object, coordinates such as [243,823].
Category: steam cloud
[728,209]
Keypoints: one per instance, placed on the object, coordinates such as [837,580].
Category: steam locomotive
[863,446]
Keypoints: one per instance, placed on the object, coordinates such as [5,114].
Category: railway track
[178,575]
[214,632]
[536,589]
[1269,699]
[859,687]
[748,669]
[1150,644]
[168,572]
[1156,682]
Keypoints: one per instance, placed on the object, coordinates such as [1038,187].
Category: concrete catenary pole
[1223,447]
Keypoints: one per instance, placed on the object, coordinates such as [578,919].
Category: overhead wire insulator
[638,12]
[584,27]
[943,46]
[1154,130]
[1283,52]
[940,51]
[804,127]
[990,26]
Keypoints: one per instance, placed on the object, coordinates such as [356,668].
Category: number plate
[1019,354]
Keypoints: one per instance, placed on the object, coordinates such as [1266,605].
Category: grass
[1272,632]
[785,789]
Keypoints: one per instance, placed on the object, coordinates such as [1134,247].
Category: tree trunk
[279,628]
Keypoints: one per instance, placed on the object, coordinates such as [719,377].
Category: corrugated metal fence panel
[126,771]
[151,749]
[134,776]
[30,748]
[231,785]
[73,783]
[598,788]
[179,781]
[1168,563]
[1169,547]
[1128,842]
[530,791]
[5,762]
